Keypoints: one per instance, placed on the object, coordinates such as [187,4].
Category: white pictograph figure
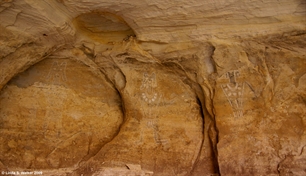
[55,95]
[57,73]
[148,87]
[151,97]
[234,93]
[152,123]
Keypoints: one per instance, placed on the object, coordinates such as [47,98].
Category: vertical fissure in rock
[208,120]
[214,138]
[202,141]
[212,134]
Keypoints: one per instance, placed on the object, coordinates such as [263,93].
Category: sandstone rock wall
[153,88]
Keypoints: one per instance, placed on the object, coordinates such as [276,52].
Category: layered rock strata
[153,88]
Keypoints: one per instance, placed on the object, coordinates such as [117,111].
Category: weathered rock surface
[153,88]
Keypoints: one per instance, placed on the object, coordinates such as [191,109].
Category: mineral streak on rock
[160,88]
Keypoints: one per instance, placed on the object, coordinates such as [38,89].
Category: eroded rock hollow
[153,88]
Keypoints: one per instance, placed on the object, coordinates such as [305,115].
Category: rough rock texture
[153,87]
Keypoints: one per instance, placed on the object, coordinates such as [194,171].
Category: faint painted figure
[57,73]
[55,95]
[234,93]
[153,124]
[149,94]
[152,98]
[148,88]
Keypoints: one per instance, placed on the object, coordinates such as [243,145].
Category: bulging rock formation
[193,88]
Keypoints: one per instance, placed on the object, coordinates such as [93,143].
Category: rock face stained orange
[193,88]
